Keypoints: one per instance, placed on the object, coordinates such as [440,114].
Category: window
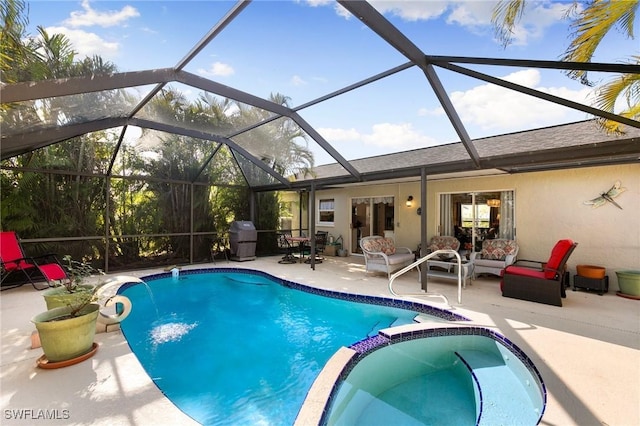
[482,216]
[326,211]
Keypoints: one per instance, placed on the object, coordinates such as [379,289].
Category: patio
[587,352]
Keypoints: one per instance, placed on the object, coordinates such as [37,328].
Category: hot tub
[441,375]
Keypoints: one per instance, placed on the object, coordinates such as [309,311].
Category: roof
[571,145]
[124,101]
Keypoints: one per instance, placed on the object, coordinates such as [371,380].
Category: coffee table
[449,270]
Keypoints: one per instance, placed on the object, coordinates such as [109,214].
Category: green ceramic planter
[66,339]
[629,282]
[59,297]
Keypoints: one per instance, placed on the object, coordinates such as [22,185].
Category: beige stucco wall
[549,206]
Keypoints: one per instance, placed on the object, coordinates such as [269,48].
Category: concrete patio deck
[588,352]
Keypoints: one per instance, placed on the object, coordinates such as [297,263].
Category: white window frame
[327,208]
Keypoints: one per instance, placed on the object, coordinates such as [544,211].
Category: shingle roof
[562,146]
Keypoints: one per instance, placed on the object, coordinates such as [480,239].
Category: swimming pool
[438,375]
[235,346]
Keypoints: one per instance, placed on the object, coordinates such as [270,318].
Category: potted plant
[72,291]
[68,327]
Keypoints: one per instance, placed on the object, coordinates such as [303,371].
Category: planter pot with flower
[67,329]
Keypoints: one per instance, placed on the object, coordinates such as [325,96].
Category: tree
[69,202]
[15,54]
[589,27]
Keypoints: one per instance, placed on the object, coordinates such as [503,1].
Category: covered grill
[242,240]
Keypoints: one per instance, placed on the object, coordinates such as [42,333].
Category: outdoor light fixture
[494,202]
[409,201]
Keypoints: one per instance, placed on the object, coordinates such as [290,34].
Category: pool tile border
[359,298]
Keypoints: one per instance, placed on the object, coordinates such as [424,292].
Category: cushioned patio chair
[18,269]
[381,254]
[542,282]
[495,255]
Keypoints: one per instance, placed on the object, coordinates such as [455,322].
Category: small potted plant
[68,327]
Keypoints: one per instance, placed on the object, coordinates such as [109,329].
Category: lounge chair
[543,283]
[18,269]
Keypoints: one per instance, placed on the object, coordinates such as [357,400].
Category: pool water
[442,380]
[239,348]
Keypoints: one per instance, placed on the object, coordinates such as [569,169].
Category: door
[474,217]
[370,216]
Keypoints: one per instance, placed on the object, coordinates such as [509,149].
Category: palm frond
[593,23]
[504,17]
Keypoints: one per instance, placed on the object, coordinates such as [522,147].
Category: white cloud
[537,17]
[217,69]
[339,135]
[495,108]
[475,16]
[399,136]
[89,17]
[412,10]
[87,44]
[296,80]
[471,14]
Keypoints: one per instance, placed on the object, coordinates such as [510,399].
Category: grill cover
[242,240]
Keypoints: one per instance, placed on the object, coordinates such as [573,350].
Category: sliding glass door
[370,216]
[474,217]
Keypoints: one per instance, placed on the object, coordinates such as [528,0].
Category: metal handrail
[421,261]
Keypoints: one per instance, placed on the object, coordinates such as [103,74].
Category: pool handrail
[419,262]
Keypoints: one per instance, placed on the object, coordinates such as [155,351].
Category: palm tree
[589,27]
[15,54]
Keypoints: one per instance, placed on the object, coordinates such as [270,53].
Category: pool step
[504,400]
[365,408]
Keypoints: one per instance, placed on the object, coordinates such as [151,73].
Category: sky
[306,49]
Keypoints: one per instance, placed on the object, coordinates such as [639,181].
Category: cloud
[412,10]
[399,136]
[536,19]
[495,108]
[296,80]
[90,17]
[217,69]
[87,44]
[474,16]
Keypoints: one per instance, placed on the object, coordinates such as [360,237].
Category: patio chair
[496,255]
[543,283]
[285,246]
[321,242]
[18,269]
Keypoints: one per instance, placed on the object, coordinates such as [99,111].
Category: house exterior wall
[548,206]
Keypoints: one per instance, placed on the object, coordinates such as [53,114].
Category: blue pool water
[463,376]
[239,348]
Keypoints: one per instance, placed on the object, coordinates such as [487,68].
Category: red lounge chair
[18,269]
[543,283]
